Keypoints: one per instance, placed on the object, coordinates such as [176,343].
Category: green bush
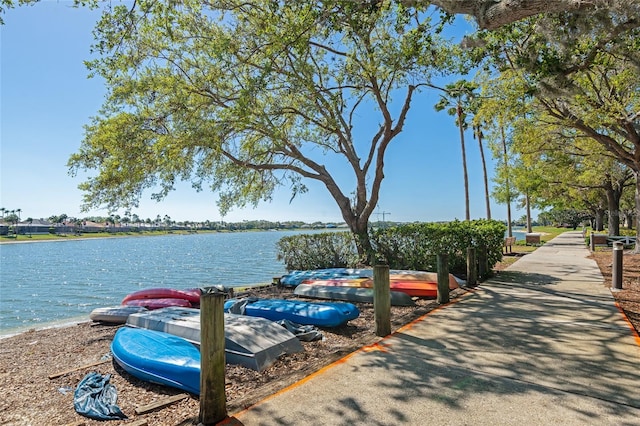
[412,246]
[317,251]
[416,246]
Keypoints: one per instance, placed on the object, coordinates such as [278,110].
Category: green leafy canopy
[244,96]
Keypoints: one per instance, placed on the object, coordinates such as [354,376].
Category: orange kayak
[417,284]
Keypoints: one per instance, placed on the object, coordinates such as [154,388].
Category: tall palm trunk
[467,214]
[528,204]
[636,250]
[506,181]
[487,200]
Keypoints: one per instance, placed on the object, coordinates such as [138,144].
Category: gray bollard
[616,268]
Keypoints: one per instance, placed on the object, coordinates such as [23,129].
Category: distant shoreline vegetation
[44,230]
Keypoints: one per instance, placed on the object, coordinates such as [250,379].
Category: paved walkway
[541,344]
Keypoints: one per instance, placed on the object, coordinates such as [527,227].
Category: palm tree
[506,177]
[477,132]
[30,222]
[457,96]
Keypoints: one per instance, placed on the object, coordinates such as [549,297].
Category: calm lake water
[42,283]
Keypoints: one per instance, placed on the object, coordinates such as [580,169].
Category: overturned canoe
[115,314]
[301,312]
[253,342]
[413,283]
[151,304]
[191,294]
[293,278]
[350,294]
[158,357]
[420,288]
[342,282]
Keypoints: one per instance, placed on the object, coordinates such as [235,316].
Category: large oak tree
[583,73]
[245,96]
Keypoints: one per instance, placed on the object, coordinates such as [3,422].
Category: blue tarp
[96,398]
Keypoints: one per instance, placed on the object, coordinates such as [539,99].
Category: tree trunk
[506,182]
[493,14]
[613,204]
[467,214]
[599,220]
[528,203]
[484,172]
[360,230]
[614,193]
[636,250]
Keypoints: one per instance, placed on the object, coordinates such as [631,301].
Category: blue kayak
[330,314]
[158,357]
[294,278]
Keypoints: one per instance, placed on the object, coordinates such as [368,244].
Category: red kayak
[191,295]
[158,303]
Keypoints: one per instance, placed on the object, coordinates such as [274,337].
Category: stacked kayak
[350,294]
[156,298]
[249,341]
[144,300]
[412,283]
[115,314]
[300,312]
[294,278]
[158,357]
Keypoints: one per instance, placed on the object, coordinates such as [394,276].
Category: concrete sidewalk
[543,343]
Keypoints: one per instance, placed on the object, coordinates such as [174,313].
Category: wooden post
[382,300]
[213,402]
[592,242]
[472,267]
[443,279]
[483,269]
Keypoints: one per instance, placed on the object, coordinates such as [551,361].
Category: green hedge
[415,246]
[317,251]
[410,246]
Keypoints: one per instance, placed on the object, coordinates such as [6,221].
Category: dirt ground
[629,298]
[40,369]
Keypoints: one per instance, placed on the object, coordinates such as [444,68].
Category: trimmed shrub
[317,251]
[416,246]
[412,246]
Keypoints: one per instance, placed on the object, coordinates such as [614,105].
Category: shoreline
[49,325]
[41,369]
[89,236]
[81,319]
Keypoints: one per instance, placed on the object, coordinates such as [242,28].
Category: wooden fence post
[213,402]
[382,300]
[483,269]
[472,267]
[443,279]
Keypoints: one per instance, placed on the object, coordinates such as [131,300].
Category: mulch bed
[31,397]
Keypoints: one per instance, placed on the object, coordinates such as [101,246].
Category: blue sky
[47,98]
